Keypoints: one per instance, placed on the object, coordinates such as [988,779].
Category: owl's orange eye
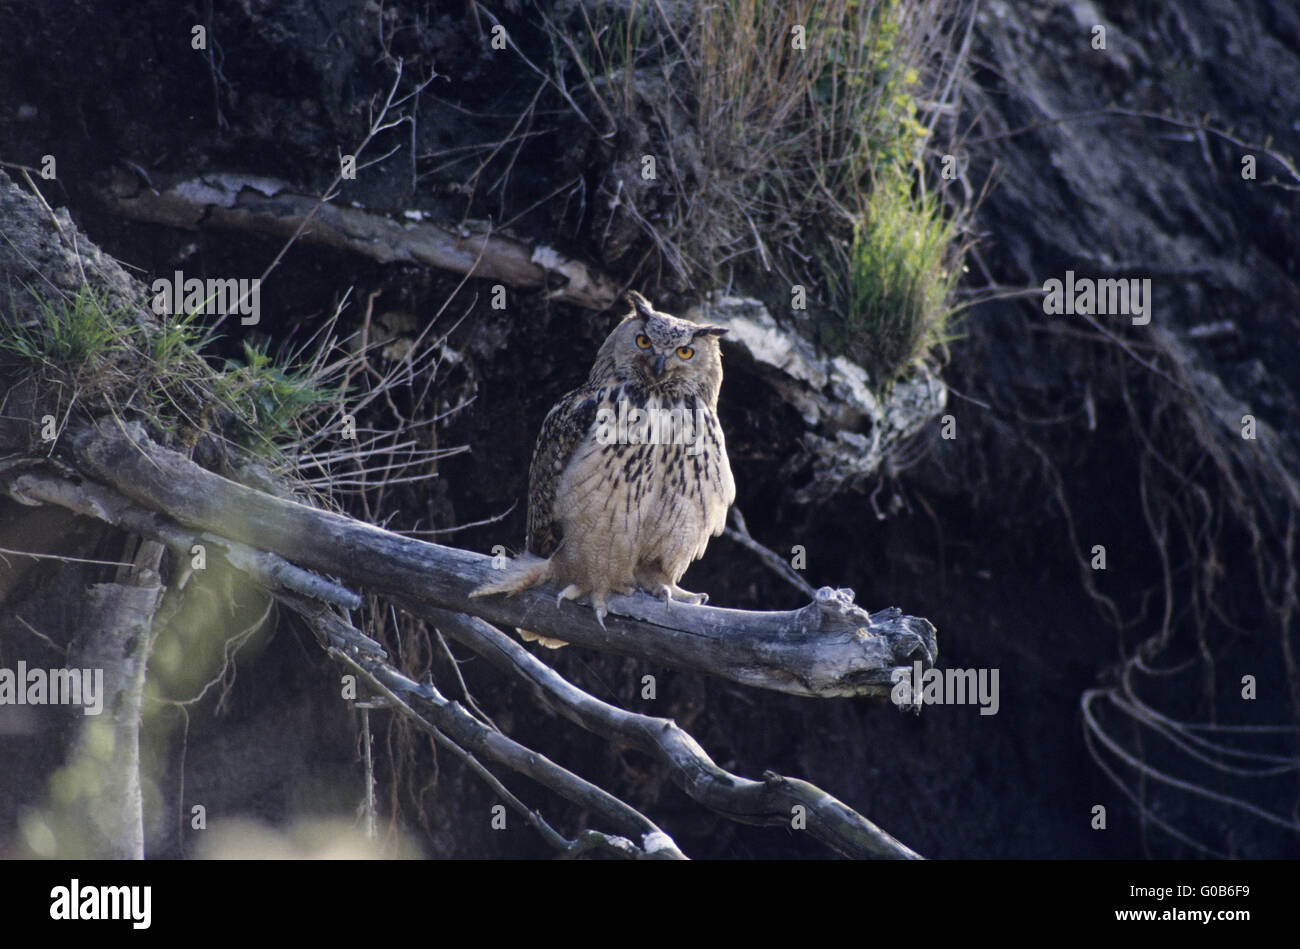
[685,352]
[642,341]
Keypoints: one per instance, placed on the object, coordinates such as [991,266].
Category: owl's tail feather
[523,573]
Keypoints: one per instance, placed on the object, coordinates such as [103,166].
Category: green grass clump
[797,142]
[70,336]
[890,297]
[271,398]
[83,352]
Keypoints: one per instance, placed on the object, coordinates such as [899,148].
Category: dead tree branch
[776,800]
[832,647]
[772,801]
[266,206]
[459,732]
[117,637]
[93,500]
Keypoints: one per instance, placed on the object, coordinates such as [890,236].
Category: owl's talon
[598,605]
[571,592]
[673,591]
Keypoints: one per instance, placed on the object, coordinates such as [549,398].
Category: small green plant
[798,143]
[269,400]
[70,336]
[174,343]
[80,350]
[890,291]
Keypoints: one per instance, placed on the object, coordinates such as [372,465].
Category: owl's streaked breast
[661,500]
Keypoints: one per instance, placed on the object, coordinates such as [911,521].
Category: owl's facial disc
[664,345]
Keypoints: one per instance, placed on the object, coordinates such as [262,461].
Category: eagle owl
[630,476]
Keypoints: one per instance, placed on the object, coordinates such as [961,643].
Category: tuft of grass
[70,336]
[890,295]
[793,145]
[270,399]
[81,351]
[607,48]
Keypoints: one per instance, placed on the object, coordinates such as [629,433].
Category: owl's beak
[659,365]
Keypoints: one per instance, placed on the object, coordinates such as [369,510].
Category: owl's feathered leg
[528,571]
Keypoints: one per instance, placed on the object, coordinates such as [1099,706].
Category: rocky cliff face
[1072,432]
[1163,158]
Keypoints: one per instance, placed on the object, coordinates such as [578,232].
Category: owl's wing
[566,425]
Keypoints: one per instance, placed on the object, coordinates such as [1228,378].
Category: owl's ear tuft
[709,331]
[640,304]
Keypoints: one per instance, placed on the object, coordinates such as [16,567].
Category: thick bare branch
[465,734]
[829,648]
[263,205]
[772,801]
[93,500]
[116,636]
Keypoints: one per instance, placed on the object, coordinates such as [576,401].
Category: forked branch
[832,647]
